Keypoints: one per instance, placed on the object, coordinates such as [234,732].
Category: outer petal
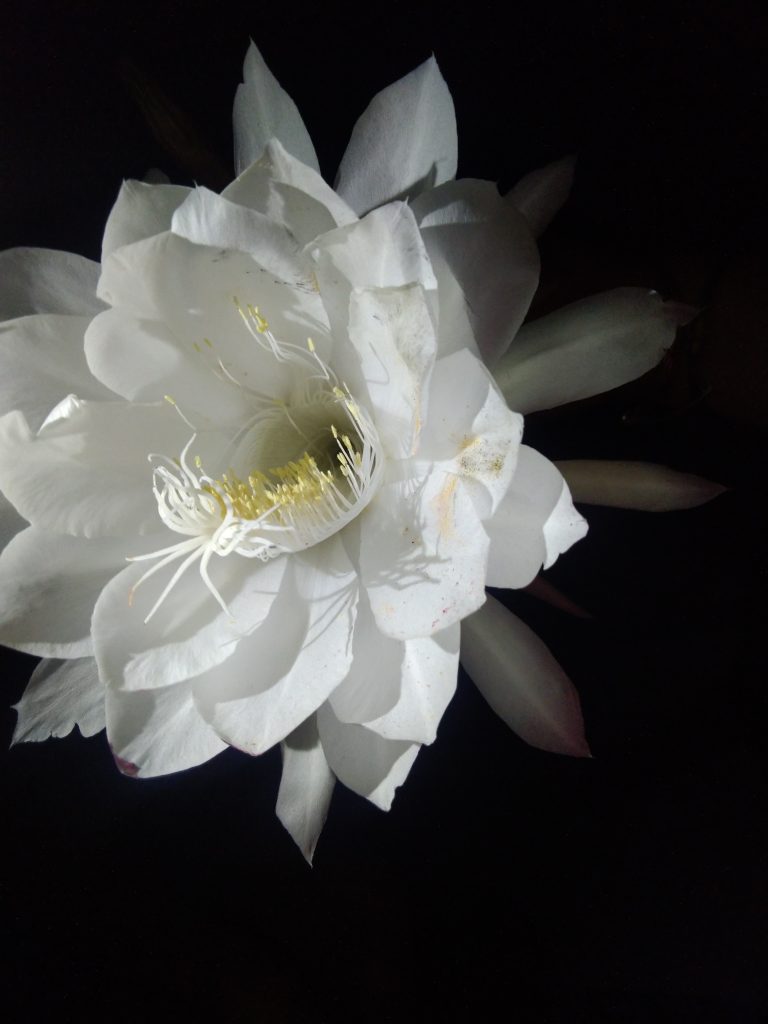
[47,281]
[637,485]
[531,526]
[156,732]
[41,362]
[140,211]
[189,633]
[423,555]
[87,473]
[404,142]
[398,689]
[540,194]
[48,588]
[59,696]
[588,347]
[11,522]
[306,787]
[263,110]
[284,670]
[393,335]
[368,764]
[288,192]
[491,252]
[522,682]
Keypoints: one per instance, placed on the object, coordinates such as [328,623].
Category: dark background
[505,883]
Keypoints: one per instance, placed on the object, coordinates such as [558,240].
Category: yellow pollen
[295,487]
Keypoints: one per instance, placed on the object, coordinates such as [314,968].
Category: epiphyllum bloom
[264,472]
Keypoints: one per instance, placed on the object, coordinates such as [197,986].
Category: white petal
[189,633]
[403,143]
[140,211]
[491,252]
[87,474]
[540,194]
[563,527]
[206,218]
[636,485]
[289,193]
[306,787]
[263,110]
[366,763]
[470,431]
[11,522]
[522,682]
[156,732]
[143,361]
[586,348]
[282,672]
[423,555]
[48,588]
[59,696]
[392,332]
[518,546]
[47,281]
[41,362]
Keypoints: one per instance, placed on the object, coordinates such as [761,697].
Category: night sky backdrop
[506,883]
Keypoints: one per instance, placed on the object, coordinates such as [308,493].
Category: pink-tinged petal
[47,281]
[392,333]
[540,194]
[591,346]
[140,211]
[403,143]
[41,362]
[263,110]
[48,588]
[488,246]
[366,763]
[281,672]
[289,193]
[156,732]
[543,590]
[522,682]
[86,473]
[423,555]
[59,696]
[189,633]
[636,485]
[306,787]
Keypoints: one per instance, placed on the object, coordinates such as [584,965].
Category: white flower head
[266,473]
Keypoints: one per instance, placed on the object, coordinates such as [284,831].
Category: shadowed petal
[59,696]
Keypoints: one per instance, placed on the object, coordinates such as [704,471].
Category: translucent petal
[306,787]
[637,485]
[59,696]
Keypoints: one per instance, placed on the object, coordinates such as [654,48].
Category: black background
[505,883]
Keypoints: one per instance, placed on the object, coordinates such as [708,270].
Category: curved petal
[489,248]
[48,588]
[404,142]
[59,696]
[47,281]
[281,673]
[189,633]
[366,763]
[423,555]
[522,682]
[264,110]
[586,348]
[534,523]
[87,473]
[156,732]
[306,787]
[41,362]
[392,332]
[289,193]
[540,194]
[11,522]
[140,211]
[636,485]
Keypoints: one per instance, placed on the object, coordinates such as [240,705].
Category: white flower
[265,471]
